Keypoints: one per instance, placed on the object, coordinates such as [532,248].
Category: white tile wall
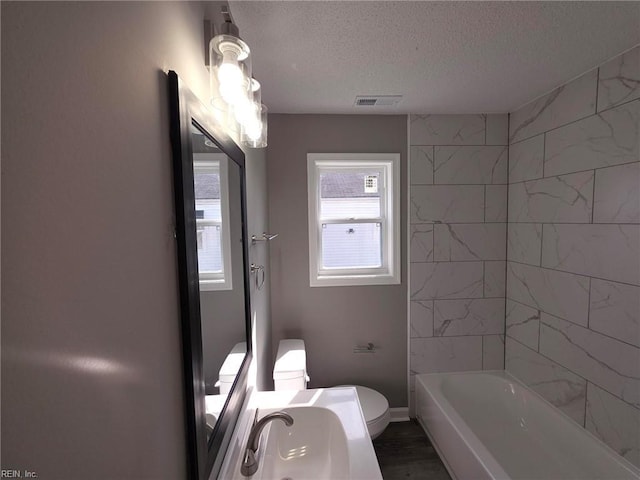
[573,275]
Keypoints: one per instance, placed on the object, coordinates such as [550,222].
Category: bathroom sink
[314,447]
[328,439]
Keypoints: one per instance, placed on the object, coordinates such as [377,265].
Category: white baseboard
[399,414]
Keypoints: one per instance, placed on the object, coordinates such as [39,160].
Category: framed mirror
[212,247]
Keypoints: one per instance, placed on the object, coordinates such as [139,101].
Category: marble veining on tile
[472,241]
[421,165]
[526,159]
[470,164]
[421,247]
[446,280]
[562,294]
[524,242]
[611,252]
[421,318]
[446,354]
[447,129]
[566,198]
[615,310]
[450,203]
[619,79]
[609,363]
[609,138]
[495,279]
[523,323]
[565,104]
[480,316]
[495,203]
[616,196]
[493,352]
[614,422]
[552,381]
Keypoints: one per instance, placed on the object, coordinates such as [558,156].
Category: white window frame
[389,272]
[217,162]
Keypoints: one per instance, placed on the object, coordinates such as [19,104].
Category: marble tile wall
[573,251]
[458,213]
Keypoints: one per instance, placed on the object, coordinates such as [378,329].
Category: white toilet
[290,373]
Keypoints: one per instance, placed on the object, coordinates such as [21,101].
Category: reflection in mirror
[212,248]
[218,210]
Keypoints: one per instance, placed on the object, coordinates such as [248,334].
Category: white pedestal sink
[327,441]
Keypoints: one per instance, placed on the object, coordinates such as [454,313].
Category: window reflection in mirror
[218,214]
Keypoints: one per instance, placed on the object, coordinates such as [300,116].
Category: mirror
[211,238]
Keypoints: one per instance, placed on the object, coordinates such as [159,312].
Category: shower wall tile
[562,294]
[611,252]
[619,80]
[609,363]
[446,354]
[566,198]
[524,242]
[421,318]
[481,316]
[470,164]
[614,422]
[497,129]
[495,203]
[421,165]
[526,159]
[614,309]
[570,102]
[495,279]
[523,324]
[447,129]
[609,138]
[447,203]
[458,213]
[573,249]
[421,248]
[617,194]
[556,384]
[493,352]
[474,241]
[446,280]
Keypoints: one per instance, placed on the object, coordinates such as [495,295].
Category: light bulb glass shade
[254,131]
[244,109]
[230,76]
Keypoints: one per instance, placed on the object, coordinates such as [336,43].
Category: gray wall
[573,276]
[332,320]
[91,360]
[458,214]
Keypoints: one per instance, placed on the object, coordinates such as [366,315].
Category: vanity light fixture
[235,95]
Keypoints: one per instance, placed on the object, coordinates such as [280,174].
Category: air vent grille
[377,100]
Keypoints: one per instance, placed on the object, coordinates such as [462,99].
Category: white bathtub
[489,425]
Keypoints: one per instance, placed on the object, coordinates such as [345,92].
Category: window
[354,219]
[212,221]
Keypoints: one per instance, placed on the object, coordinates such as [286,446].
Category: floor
[404,452]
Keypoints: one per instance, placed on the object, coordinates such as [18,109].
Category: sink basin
[314,447]
[328,440]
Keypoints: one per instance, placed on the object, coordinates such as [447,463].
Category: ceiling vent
[377,100]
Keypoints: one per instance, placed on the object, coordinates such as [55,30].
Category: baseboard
[399,414]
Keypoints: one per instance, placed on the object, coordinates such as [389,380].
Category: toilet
[230,367]
[290,373]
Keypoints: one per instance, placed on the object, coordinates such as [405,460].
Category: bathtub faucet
[250,462]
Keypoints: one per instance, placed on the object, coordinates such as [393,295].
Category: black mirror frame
[185,110]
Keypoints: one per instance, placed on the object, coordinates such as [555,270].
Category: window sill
[353,280]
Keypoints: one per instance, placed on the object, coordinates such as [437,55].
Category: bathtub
[489,425]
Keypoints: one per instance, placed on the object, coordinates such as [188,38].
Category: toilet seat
[375,408]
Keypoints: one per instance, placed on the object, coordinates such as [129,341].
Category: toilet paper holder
[368,348]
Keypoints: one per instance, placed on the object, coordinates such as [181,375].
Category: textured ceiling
[443,57]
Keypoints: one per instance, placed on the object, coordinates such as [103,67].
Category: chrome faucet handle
[250,462]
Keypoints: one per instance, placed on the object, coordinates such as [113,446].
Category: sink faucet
[250,463]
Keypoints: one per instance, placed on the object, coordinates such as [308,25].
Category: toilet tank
[231,366]
[290,370]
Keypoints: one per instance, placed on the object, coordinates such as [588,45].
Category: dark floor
[404,452]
